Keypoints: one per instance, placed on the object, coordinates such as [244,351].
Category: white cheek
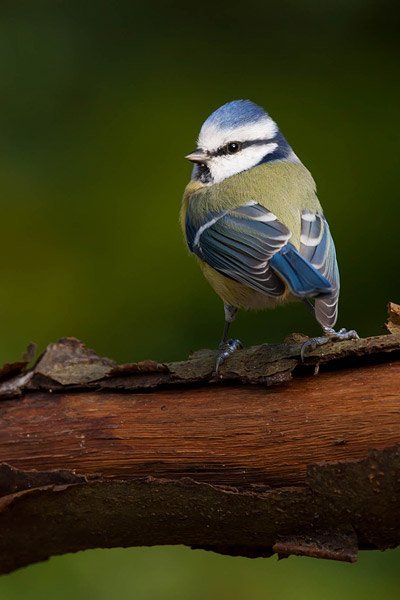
[225,166]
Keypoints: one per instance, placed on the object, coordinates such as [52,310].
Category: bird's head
[236,137]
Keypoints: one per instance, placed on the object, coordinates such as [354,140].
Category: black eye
[233,147]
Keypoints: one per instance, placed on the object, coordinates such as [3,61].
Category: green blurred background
[99,103]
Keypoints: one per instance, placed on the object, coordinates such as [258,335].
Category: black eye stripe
[224,149]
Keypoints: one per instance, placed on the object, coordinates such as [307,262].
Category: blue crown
[235,114]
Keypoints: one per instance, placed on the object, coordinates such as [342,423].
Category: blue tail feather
[301,277]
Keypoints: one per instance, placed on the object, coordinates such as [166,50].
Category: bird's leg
[329,335]
[227,347]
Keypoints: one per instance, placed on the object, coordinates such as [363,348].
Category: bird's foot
[226,349]
[330,335]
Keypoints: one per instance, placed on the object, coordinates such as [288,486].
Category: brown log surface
[267,457]
[233,435]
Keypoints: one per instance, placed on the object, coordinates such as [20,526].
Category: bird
[251,216]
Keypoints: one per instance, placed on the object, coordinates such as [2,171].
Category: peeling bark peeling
[265,458]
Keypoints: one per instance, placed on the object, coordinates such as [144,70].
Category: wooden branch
[99,455]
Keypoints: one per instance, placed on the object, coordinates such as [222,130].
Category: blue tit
[251,216]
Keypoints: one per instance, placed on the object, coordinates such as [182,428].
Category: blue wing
[317,247]
[250,245]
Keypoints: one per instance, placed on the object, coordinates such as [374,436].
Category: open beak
[198,156]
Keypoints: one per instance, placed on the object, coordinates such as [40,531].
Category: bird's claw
[226,349]
[330,335]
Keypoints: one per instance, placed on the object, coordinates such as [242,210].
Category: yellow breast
[284,189]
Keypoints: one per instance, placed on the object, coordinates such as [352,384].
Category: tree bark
[267,457]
